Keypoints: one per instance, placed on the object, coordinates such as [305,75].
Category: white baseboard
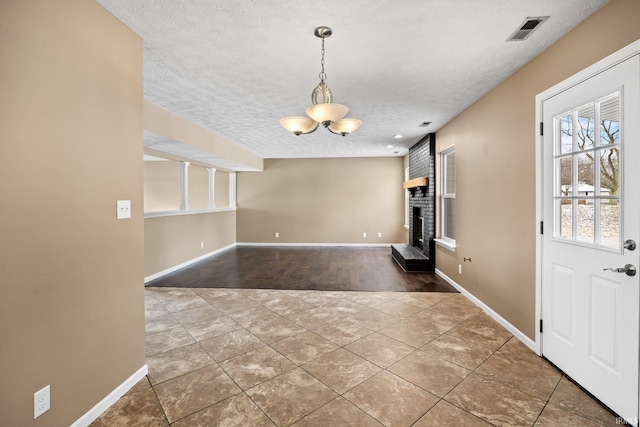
[351,245]
[501,320]
[186,263]
[111,398]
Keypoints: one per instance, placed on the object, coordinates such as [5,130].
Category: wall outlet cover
[41,401]
[124,209]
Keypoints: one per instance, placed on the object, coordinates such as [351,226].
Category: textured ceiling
[236,67]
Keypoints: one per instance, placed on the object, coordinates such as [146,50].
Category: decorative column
[232,189]
[184,185]
[212,187]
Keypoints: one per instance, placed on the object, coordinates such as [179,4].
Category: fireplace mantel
[412,184]
[416,182]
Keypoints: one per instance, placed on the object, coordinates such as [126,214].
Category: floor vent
[526,28]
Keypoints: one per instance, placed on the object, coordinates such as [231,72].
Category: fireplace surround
[419,254]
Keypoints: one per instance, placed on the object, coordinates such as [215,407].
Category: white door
[591,206]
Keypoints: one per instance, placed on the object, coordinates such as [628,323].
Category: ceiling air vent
[526,28]
[424,124]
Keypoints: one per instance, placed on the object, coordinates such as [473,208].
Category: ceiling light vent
[526,28]
[424,124]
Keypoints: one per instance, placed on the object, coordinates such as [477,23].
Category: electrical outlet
[459,268]
[124,209]
[201,245]
[41,401]
[379,235]
[277,235]
[364,235]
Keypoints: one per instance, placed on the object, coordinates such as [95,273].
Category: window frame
[444,240]
[407,201]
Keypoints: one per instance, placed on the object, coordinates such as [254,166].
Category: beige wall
[198,187]
[72,303]
[495,166]
[173,240]
[322,201]
[162,187]
[221,192]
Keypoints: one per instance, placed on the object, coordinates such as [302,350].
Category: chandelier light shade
[345,126]
[299,125]
[327,113]
[323,110]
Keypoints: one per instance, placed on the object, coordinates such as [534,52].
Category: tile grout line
[296,365]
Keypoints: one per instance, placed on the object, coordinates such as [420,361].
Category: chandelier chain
[322,74]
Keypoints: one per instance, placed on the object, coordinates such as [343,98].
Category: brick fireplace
[419,254]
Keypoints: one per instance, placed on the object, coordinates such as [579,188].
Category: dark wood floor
[315,268]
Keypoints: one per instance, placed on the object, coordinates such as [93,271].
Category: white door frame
[608,62]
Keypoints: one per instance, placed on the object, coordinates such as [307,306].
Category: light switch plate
[124,209]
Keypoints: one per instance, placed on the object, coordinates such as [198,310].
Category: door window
[587,173]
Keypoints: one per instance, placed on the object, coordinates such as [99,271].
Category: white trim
[449,244]
[610,61]
[446,241]
[501,320]
[93,413]
[190,212]
[212,188]
[186,263]
[184,185]
[353,245]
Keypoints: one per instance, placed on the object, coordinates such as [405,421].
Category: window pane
[610,120]
[585,131]
[450,173]
[586,221]
[563,166]
[585,174]
[565,138]
[609,171]
[449,215]
[564,212]
[610,222]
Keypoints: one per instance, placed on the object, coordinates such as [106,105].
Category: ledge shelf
[412,184]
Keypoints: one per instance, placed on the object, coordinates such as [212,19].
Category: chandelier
[323,110]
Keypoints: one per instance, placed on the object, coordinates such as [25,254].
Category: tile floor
[225,357]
